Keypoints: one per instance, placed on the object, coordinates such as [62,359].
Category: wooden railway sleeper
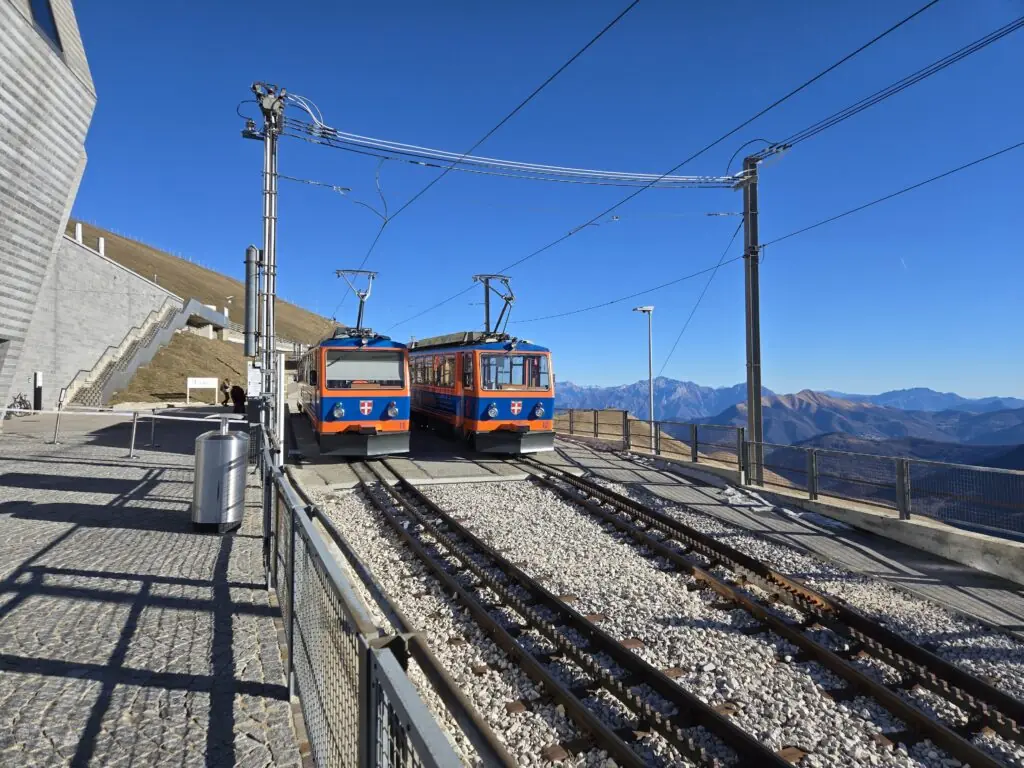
[694,710]
[943,736]
[584,718]
[986,702]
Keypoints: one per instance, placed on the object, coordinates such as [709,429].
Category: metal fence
[681,441]
[985,498]
[359,706]
[981,498]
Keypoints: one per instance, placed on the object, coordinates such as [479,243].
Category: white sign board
[195,382]
[254,382]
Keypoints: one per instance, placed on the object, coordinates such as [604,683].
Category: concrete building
[46,104]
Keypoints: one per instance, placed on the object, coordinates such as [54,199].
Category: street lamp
[649,311]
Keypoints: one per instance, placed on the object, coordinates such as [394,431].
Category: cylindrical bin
[218,495]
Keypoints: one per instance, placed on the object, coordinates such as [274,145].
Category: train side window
[312,375]
[467,370]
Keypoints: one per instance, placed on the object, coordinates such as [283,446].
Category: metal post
[252,276]
[268,554]
[291,602]
[650,366]
[812,474]
[625,430]
[657,438]
[596,433]
[135,424]
[572,413]
[751,257]
[60,408]
[740,446]
[903,488]
[693,442]
[152,429]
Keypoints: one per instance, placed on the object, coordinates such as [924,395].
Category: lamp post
[649,311]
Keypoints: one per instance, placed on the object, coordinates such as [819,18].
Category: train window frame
[467,370]
[490,377]
[359,384]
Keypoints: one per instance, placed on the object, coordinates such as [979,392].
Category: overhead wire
[890,196]
[696,304]
[504,120]
[903,83]
[714,143]
[722,263]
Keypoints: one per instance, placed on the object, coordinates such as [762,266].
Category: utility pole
[751,258]
[271,102]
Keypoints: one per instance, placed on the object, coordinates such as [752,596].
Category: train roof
[350,337]
[477,340]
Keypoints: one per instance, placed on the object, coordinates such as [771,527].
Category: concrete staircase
[114,372]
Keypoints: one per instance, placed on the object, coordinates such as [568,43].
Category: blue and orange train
[354,387]
[494,391]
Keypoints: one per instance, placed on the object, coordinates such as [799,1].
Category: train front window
[514,371]
[352,369]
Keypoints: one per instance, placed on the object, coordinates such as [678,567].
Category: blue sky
[924,290]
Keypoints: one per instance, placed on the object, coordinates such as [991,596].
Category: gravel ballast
[780,704]
[484,673]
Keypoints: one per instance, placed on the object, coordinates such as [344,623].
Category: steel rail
[950,739]
[490,750]
[574,707]
[986,705]
[690,710]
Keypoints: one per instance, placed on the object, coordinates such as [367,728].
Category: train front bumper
[363,443]
[509,441]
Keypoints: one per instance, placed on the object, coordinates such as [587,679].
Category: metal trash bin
[218,494]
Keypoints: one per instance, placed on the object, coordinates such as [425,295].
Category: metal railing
[682,441]
[359,706]
[983,498]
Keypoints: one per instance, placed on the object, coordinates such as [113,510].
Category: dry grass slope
[162,380]
[190,280]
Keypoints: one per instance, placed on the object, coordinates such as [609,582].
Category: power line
[700,298]
[895,194]
[504,120]
[770,242]
[630,296]
[719,140]
[902,84]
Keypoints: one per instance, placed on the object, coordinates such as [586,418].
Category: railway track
[476,574]
[699,555]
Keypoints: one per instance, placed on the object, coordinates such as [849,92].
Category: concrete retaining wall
[86,305]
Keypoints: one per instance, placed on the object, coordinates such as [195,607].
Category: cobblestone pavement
[125,638]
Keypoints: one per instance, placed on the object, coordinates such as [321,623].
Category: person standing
[225,392]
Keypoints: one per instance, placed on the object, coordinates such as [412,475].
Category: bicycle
[21,403]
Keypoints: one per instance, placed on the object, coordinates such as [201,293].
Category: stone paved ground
[125,638]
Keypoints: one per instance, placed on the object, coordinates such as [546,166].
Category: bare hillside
[190,280]
[162,380]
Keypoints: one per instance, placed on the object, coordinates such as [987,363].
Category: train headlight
[538,411]
[338,410]
[492,411]
[393,410]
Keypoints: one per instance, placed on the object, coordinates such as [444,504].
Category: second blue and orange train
[361,390]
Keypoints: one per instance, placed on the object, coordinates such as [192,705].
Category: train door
[468,387]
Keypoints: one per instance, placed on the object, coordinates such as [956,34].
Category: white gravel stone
[525,734]
[780,704]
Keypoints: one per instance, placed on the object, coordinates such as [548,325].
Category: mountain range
[686,401]
[919,423]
